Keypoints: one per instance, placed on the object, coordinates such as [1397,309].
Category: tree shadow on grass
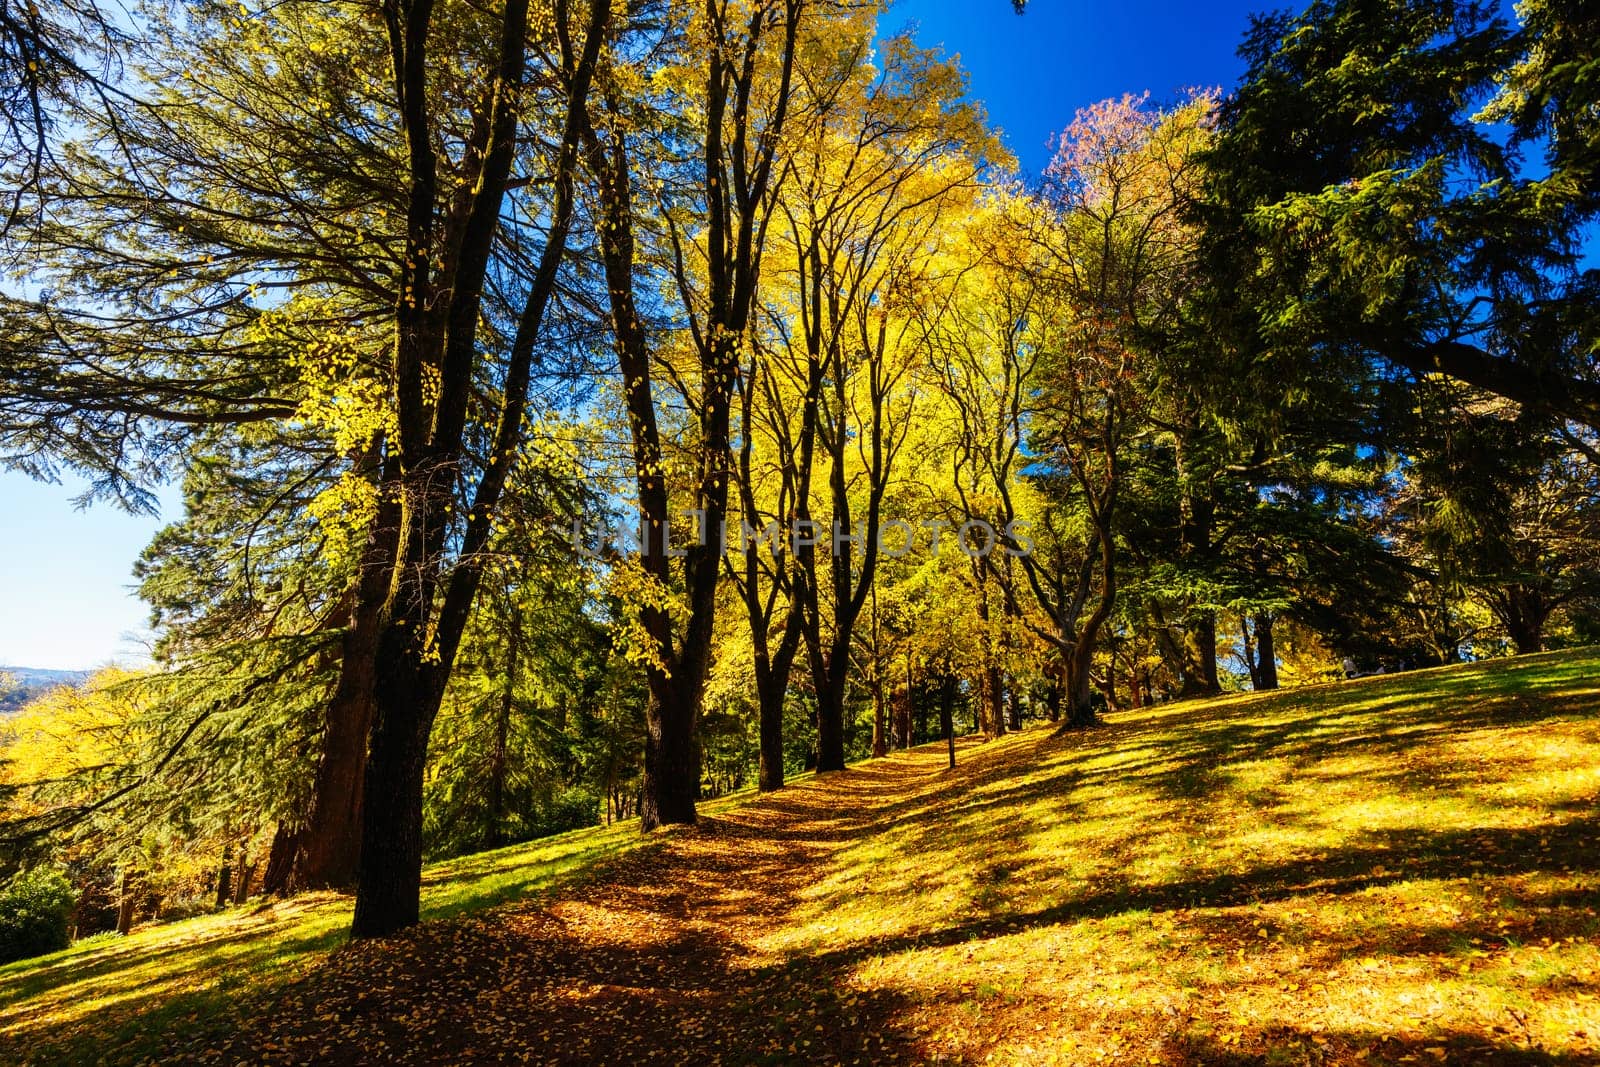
[655,955]
[1290,1045]
[147,997]
[650,961]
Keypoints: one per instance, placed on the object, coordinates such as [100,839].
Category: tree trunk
[330,846]
[1196,532]
[1205,642]
[419,632]
[880,718]
[241,881]
[830,711]
[276,879]
[330,843]
[224,878]
[1076,689]
[919,726]
[947,719]
[671,766]
[771,698]
[1266,655]
[1524,615]
[997,700]
[390,870]
[908,712]
[992,698]
[128,891]
[495,835]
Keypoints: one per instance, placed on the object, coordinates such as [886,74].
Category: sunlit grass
[1394,870]
[112,999]
[1366,872]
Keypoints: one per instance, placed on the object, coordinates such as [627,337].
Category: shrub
[35,914]
[570,809]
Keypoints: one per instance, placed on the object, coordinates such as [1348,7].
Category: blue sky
[1034,70]
[65,579]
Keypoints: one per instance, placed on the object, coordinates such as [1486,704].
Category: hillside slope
[1391,870]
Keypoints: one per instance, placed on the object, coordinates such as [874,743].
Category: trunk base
[1074,724]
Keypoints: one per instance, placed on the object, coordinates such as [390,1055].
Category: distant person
[1350,670]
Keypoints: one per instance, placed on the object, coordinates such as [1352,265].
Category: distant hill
[18,685]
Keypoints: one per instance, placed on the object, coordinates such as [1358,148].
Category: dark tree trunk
[495,836]
[1266,654]
[1186,661]
[330,844]
[436,321]
[1524,613]
[241,881]
[1052,700]
[997,701]
[880,717]
[671,765]
[733,235]
[1197,535]
[224,878]
[128,893]
[908,710]
[830,713]
[773,666]
[947,719]
[919,727]
[771,695]
[992,699]
[1077,692]
[390,870]
[279,874]
[1205,643]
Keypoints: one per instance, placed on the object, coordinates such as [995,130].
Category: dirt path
[655,958]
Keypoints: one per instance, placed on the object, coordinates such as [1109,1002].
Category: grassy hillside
[1391,870]
[114,998]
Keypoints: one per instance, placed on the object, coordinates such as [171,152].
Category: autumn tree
[894,153]
[441,517]
[727,71]
[1111,255]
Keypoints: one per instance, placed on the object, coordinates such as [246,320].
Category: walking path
[659,956]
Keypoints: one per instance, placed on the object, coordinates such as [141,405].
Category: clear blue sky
[1034,70]
[65,582]
[66,598]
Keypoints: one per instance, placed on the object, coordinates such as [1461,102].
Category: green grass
[1378,869]
[112,999]
[1397,869]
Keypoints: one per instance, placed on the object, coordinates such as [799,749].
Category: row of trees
[415,298]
